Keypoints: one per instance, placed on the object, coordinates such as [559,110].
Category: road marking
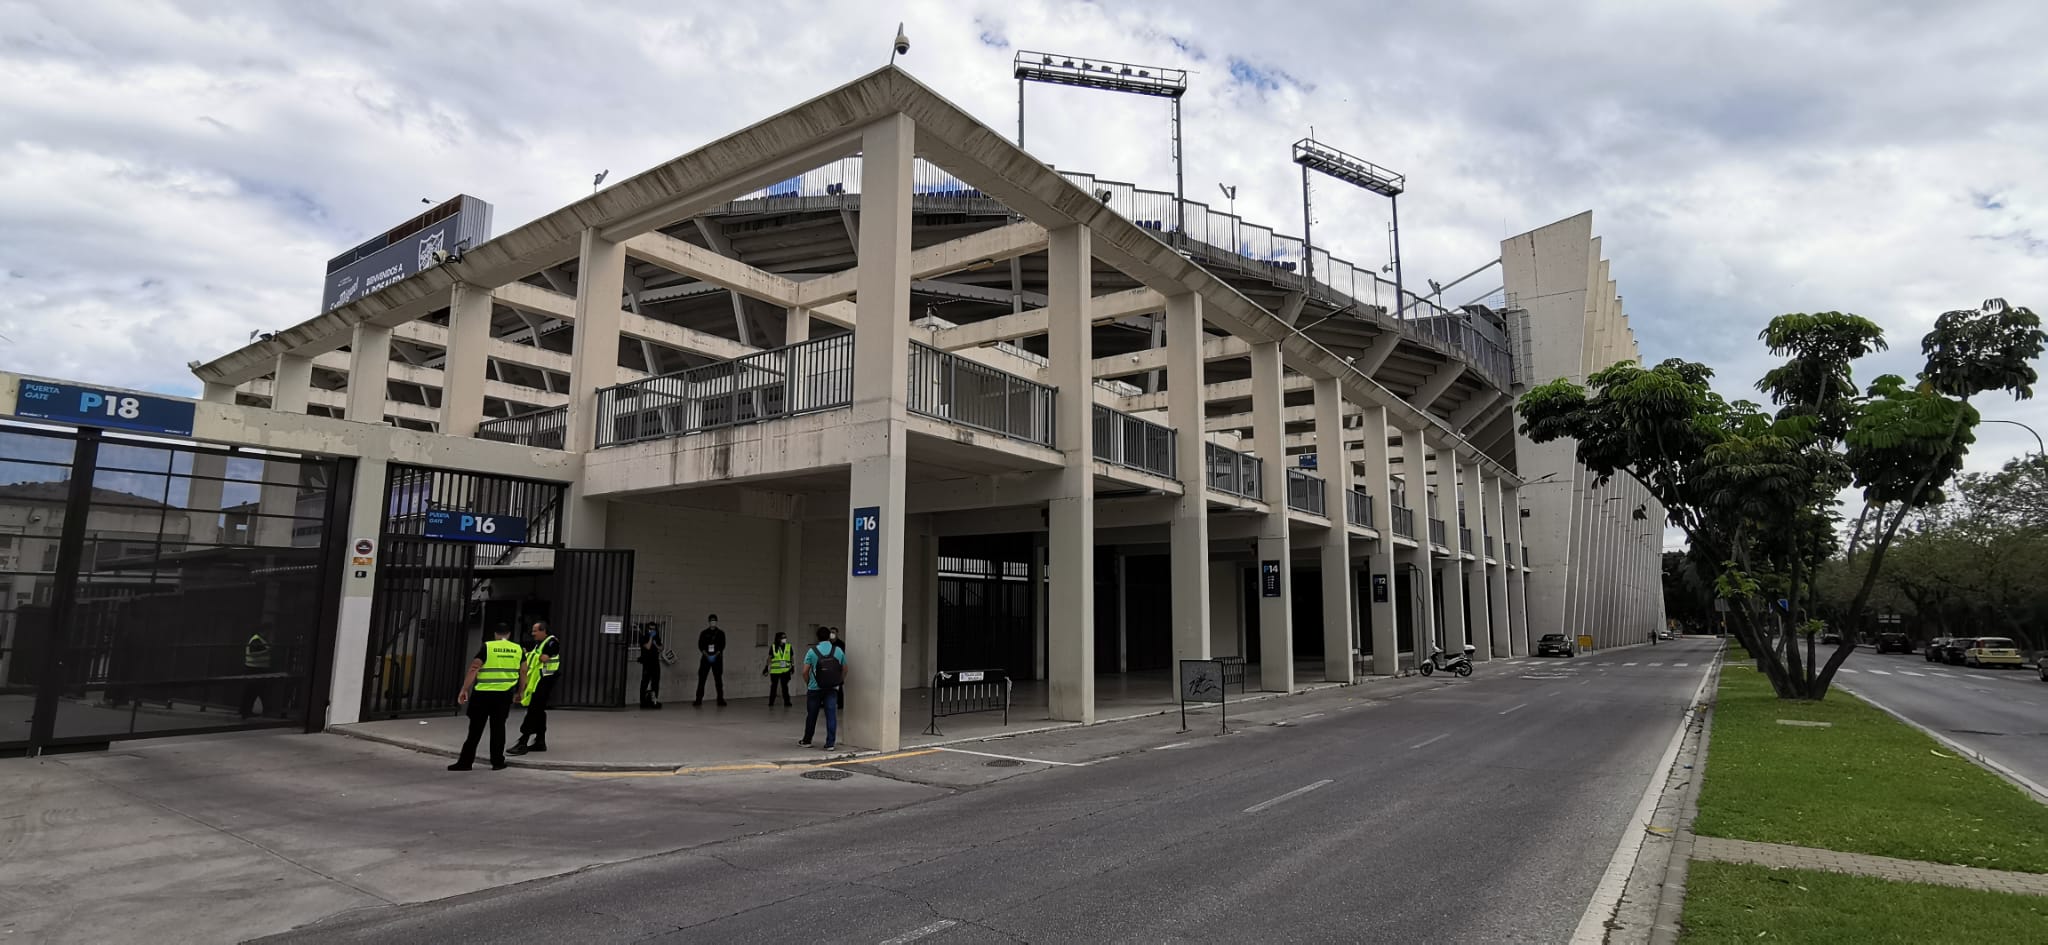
[915,934]
[1522,706]
[1681,664]
[1429,742]
[1656,664]
[1977,676]
[1848,670]
[1628,664]
[1908,672]
[1880,672]
[1035,761]
[1297,792]
[1172,746]
[1308,716]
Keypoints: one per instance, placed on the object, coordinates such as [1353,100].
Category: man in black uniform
[542,663]
[711,659]
[651,648]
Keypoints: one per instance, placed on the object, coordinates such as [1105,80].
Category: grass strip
[1865,784]
[1728,902]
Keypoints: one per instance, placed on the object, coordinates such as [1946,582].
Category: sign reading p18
[469,526]
[93,407]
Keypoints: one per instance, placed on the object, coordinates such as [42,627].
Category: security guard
[255,662]
[542,663]
[495,674]
[778,669]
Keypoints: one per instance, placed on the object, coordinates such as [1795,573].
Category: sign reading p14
[94,407]
[469,526]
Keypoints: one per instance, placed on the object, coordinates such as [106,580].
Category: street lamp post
[2038,450]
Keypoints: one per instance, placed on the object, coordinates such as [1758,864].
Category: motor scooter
[1460,664]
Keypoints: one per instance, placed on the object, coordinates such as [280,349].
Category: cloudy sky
[174,175]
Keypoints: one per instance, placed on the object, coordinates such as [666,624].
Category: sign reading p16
[867,541]
[94,407]
[468,526]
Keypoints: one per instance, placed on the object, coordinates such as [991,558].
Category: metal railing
[1436,531]
[1124,440]
[1525,556]
[1305,492]
[780,382]
[1234,472]
[1489,546]
[546,428]
[1358,508]
[1404,520]
[946,386]
[1510,556]
[1464,539]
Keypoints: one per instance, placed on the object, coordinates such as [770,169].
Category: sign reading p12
[94,407]
[867,541]
[469,526]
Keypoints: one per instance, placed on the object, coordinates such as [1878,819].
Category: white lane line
[1880,672]
[1035,761]
[1628,664]
[1848,670]
[1522,706]
[1172,746]
[1656,664]
[1429,742]
[1977,676]
[1297,792]
[1681,664]
[915,934]
[1308,716]
[1908,672]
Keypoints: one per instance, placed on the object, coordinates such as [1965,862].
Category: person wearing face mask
[778,669]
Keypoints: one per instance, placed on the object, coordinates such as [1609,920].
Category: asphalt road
[1479,810]
[2001,713]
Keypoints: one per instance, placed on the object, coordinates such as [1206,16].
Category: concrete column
[369,373]
[594,363]
[1478,612]
[1455,636]
[1386,614]
[878,433]
[1071,538]
[1415,480]
[462,372]
[1269,441]
[1337,583]
[1518,579]
[1497,574]
[352,622]
[292,383]
[796,325]
[1189,532]
[214,393]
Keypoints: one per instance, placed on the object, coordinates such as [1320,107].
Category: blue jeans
[817,699]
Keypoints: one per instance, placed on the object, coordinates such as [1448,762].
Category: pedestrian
[824,675]
[256,672]
[542,663]
[495,674]
[711,659]
[650,666]
[779,668]
[839,640]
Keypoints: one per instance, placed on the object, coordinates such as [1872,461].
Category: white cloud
[176,174]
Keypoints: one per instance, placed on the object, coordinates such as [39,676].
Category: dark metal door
[421,637]
[592,603]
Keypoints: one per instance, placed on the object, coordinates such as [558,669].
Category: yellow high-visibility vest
[778,659]
[256,653]
[547,664]
[501,666]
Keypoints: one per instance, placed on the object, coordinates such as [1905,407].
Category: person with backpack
[824,673]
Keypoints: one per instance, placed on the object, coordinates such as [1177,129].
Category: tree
[1755,493]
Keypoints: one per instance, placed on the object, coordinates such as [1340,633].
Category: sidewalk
[750,732]
[1781,856]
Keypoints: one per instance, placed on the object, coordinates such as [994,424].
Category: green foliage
[1972,352]
[1816,382]
[1907,442]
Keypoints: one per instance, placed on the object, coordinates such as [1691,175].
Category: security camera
[902,41]
[439,256]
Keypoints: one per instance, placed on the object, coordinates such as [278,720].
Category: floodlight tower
[1313,155]
[1110,76]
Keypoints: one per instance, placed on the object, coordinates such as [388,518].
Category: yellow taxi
[1992,651]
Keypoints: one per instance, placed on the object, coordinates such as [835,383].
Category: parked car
[1556,644]
[2043,663]
[1952,651]
[1831,638]
[1894,643]
[1935,647]
[1664,635]
[1996,652]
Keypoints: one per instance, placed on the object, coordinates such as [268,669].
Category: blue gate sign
[96,407]
[1269,578]
[469,526]
[867,541]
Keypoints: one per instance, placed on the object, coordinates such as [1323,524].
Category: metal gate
[421,627]
[592,602]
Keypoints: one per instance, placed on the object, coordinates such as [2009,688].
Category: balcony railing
[1124,440]
[1234,472]
[545,428]
[780,382]
[1404,520]
[1489,546]
[1436,531]
[1510,556]
[1358,508]
[1304,492]
[1465,539]
[946,386]
[1525,556]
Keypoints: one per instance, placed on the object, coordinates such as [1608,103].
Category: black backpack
[829,673]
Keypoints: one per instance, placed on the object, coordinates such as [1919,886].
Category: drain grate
[1003,763]
[827,774]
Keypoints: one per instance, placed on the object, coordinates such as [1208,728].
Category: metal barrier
[1304,492]
[1233,671]
[545,428]
[969,690]
[1358,508]
[780,382]
[1436,531]
[1138,444]
[1404,520]
[1234,472]
[946,386]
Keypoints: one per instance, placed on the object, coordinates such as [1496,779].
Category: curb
[2018,780]
[1667,927]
